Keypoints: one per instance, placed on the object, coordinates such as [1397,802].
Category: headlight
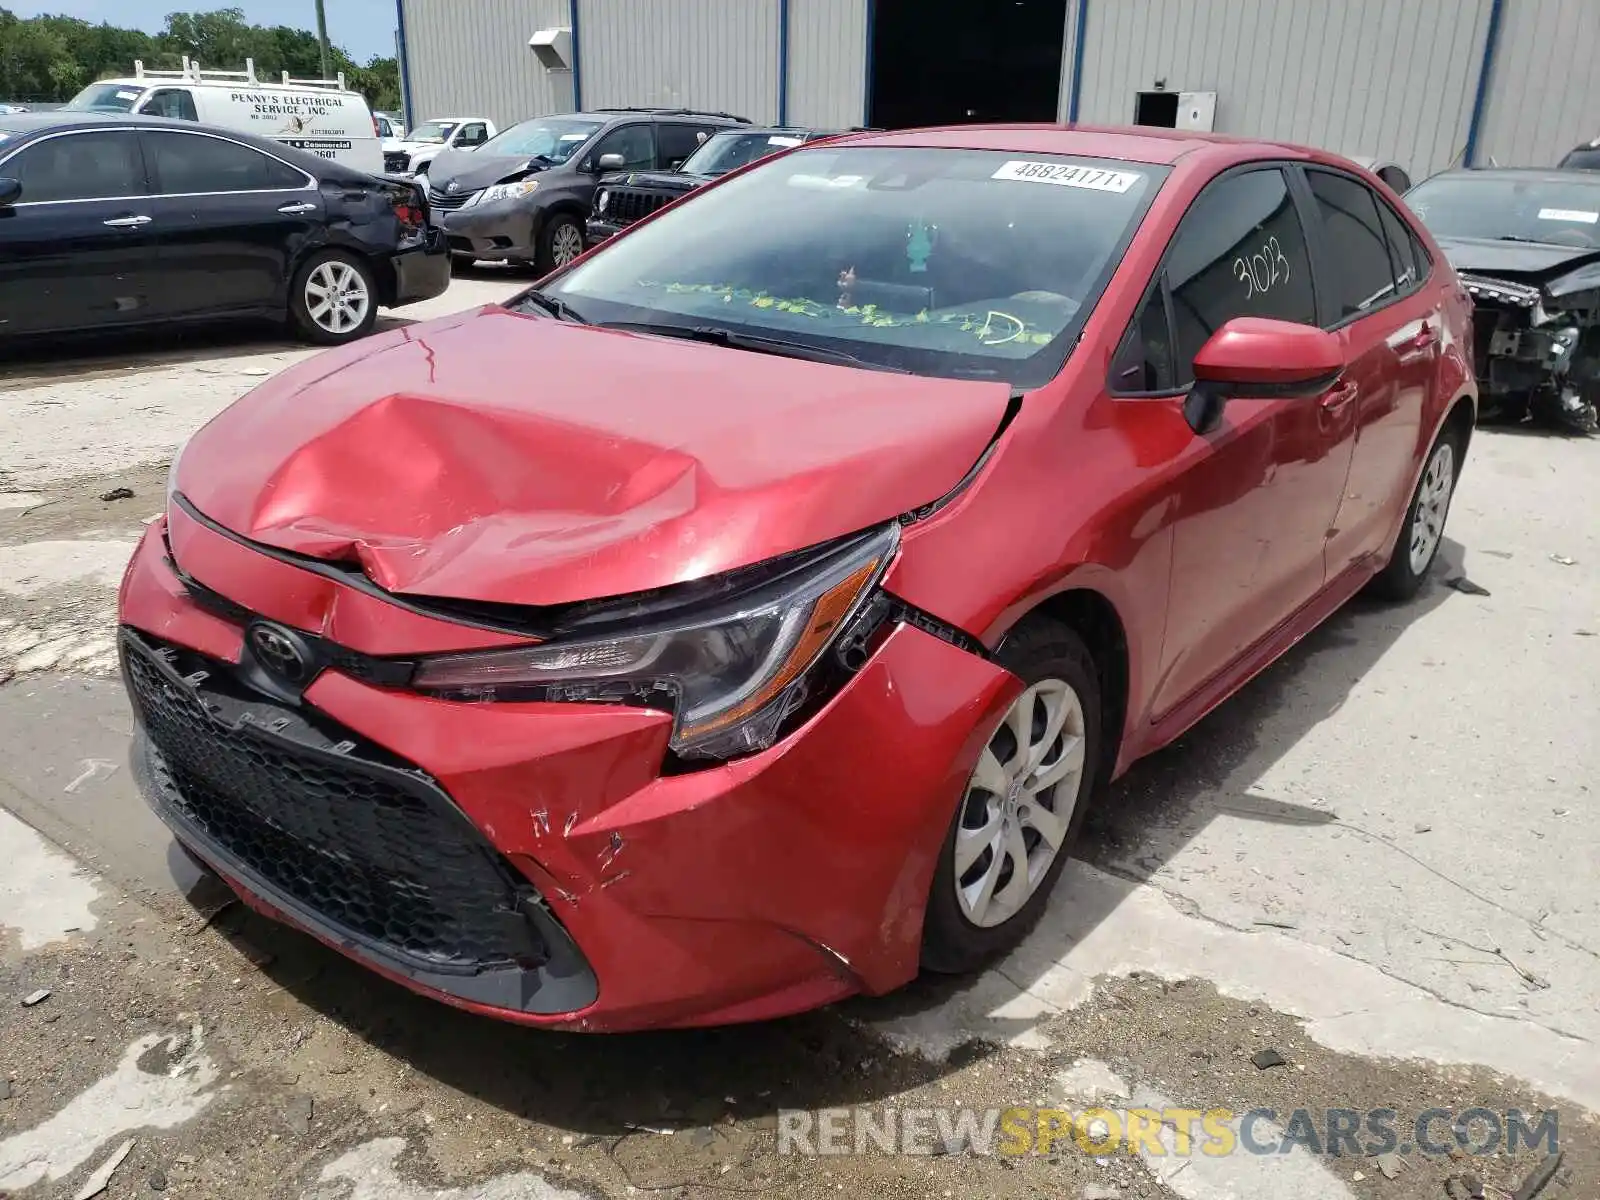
[505,191]
[732,671]
[172,475]
[601,200]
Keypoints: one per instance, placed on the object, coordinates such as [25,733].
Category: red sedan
[747,617]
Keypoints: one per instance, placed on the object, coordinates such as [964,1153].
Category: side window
[472,134]
[676,142]
[1358,251]
[633,142]
[79,166]
[1144,360]
[185,164]
[1240,251]
[1399,237]
[176,103]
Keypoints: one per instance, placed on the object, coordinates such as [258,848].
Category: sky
[365,28]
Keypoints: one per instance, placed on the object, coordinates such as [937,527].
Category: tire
[1416,548]
[555,243]
[958,936]
[333,272]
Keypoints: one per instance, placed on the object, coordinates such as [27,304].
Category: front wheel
[333,299]
[1423,531]
[560,242]
[1023,806]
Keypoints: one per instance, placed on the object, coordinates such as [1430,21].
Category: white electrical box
[1197,110]
[553,48]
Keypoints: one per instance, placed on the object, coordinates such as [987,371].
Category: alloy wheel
[1433,505]
[567,244]
[1019,803]
[337,298]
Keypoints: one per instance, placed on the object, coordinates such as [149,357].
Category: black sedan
[111,222]
[624,197]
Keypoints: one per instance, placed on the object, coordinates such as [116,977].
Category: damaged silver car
[1526,244]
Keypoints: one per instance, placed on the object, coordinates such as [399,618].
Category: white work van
[321,116]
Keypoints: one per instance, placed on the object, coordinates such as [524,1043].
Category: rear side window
[1406,271]
[183,164]
[676,142]
[1240,251]
[176,103]
[79,166]
[1358,250]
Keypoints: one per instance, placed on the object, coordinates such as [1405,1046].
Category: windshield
[105,97]
[727,151]
[554,139]
[1560,212]
[962,263]
[432,131]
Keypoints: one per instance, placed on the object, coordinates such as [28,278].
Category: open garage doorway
[942,62]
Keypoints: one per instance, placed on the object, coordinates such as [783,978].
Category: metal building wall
[1390,78]
[1544,89]
[720,55]
[827,63]
[471,58]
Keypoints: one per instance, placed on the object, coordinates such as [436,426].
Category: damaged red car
[746,617]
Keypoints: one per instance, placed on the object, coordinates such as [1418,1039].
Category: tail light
[376,132]
[409,212]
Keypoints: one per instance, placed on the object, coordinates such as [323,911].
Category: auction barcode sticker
[1095,179]
[1569,214]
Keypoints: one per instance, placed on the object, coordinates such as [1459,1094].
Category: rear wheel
[560,242]
[333,299]
[1023,806]
[1423,531]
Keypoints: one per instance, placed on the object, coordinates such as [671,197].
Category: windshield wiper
[717,336]
[555,306]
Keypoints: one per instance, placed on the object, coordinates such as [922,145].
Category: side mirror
[1261,359]
[612,162]
[10,192]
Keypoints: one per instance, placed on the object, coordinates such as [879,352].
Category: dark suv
[624,197]
[525,194]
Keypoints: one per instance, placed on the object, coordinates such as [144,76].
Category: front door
[1256,496]
[231,222]
[77,249]
[1390,328]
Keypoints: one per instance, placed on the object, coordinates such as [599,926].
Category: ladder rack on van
[191,73]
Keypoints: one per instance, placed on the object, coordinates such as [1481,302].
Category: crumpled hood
[473,169]
[1526,261]
[513,459]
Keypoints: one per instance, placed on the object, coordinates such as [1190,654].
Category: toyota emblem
[453,187]
[281,651]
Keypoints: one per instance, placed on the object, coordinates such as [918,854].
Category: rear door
[230,222]
[77,250]
[1390,327]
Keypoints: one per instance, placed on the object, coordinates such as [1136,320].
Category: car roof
[1142,144]
[1526,174]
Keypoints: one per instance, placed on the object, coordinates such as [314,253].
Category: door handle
[127,222]
[1335,400]
[302,207]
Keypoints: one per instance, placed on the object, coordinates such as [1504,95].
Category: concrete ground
[1377,862]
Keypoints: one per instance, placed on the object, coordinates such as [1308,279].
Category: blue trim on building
[866,92]
[1480,101]
[406,110]
[783,62]
[1080,28]
[577,58]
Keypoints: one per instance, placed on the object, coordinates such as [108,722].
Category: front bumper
[423,272]
[744,891]
[494,231]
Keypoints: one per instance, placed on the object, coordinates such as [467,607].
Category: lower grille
[358,836]
[396,161]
